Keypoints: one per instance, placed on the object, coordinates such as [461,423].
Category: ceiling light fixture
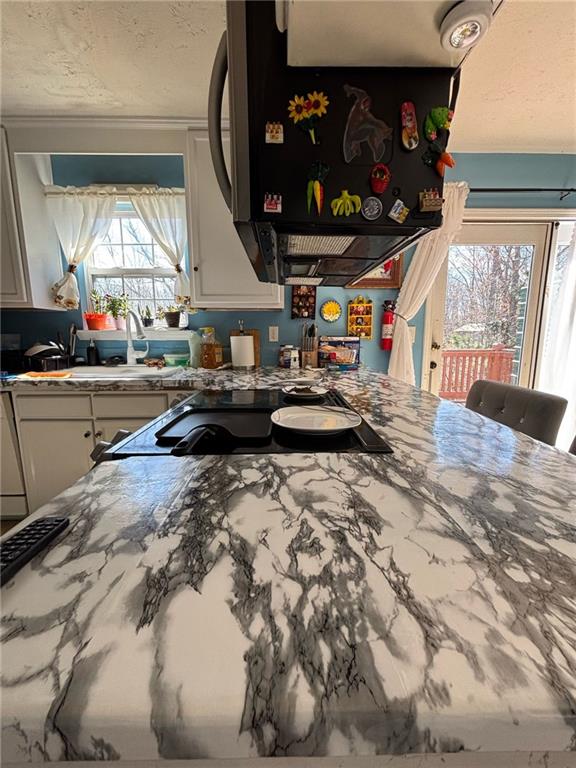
[465,24]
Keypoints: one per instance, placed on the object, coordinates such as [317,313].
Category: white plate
[303,382]
[295,391]
[316,419]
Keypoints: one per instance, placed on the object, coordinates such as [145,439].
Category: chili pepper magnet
[305,112]
[315,189]
[379,178]
[363,126]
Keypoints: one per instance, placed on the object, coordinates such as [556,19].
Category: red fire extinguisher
[387,325]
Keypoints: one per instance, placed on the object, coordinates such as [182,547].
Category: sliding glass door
[556,370]
[484,308]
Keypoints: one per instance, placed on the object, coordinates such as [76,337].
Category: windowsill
[151,334]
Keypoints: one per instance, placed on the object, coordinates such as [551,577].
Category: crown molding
[126,123]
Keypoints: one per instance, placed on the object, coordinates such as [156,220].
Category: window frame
[91,271]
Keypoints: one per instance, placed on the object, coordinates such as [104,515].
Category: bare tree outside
[486,295]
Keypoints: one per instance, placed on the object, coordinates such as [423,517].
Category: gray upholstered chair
[537,414]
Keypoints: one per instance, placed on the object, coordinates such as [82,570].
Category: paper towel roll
[242,348]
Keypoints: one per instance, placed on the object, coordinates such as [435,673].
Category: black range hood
[294,246]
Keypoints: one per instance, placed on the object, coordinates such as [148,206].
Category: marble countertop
[298,605]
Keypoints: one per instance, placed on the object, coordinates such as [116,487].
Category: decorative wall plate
[331,311]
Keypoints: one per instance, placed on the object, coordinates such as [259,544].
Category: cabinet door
[54,454]
[222,276]
[11,483]
[12,284]
[107,428]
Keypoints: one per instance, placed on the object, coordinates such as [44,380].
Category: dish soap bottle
[92,356]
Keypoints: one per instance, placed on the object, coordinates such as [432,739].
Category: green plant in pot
[172,315]
[147,319]
[99,319]
[118,307]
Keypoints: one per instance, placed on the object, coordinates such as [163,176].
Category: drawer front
[107,428]
[52,406]
[13,506]
[129,406]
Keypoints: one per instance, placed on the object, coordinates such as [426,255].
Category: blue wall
[479,170]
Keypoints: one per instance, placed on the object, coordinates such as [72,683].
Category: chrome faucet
[130,351]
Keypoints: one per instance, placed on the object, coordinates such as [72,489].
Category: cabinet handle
[98,434]
[195,269]
[87,434]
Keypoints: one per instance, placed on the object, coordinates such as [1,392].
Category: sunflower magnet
[306,111]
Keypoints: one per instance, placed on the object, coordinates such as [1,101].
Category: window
[130,261]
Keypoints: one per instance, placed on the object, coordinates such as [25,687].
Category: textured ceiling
[153,59]
[128,59]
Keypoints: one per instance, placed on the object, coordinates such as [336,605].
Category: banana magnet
[346,204]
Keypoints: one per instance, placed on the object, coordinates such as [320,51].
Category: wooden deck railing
[462,367]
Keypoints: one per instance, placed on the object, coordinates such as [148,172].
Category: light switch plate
[272,333]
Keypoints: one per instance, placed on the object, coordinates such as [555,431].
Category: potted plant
[117,306]
[172,315]
[146,316]
[99,319]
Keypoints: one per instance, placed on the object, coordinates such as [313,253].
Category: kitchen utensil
[316,420]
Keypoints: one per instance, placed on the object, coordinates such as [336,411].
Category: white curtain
[558,367]
[430,253]
[82,217]
[163,212]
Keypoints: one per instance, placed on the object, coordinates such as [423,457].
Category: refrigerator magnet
[410,138]
[371,208]
[362,126]
[274,133]
[398,212]
[306,111]
[272,203]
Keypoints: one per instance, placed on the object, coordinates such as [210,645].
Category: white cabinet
[13,499]
[221,273]
[57,433]
[12,284]
[55,453]
[30,257]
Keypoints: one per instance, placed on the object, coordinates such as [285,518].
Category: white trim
[150,123]
[150,334]
[514,215]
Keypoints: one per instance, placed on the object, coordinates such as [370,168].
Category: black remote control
[17,550]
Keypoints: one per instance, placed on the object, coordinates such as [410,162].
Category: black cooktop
[237,435]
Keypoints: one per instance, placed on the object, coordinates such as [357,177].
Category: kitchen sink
[121,371]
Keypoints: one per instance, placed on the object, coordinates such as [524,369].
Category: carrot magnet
[272,203]
[362,126]
[398,212]
[379,178]
[305,111]
[315,188]
[410,138]
[274,133]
